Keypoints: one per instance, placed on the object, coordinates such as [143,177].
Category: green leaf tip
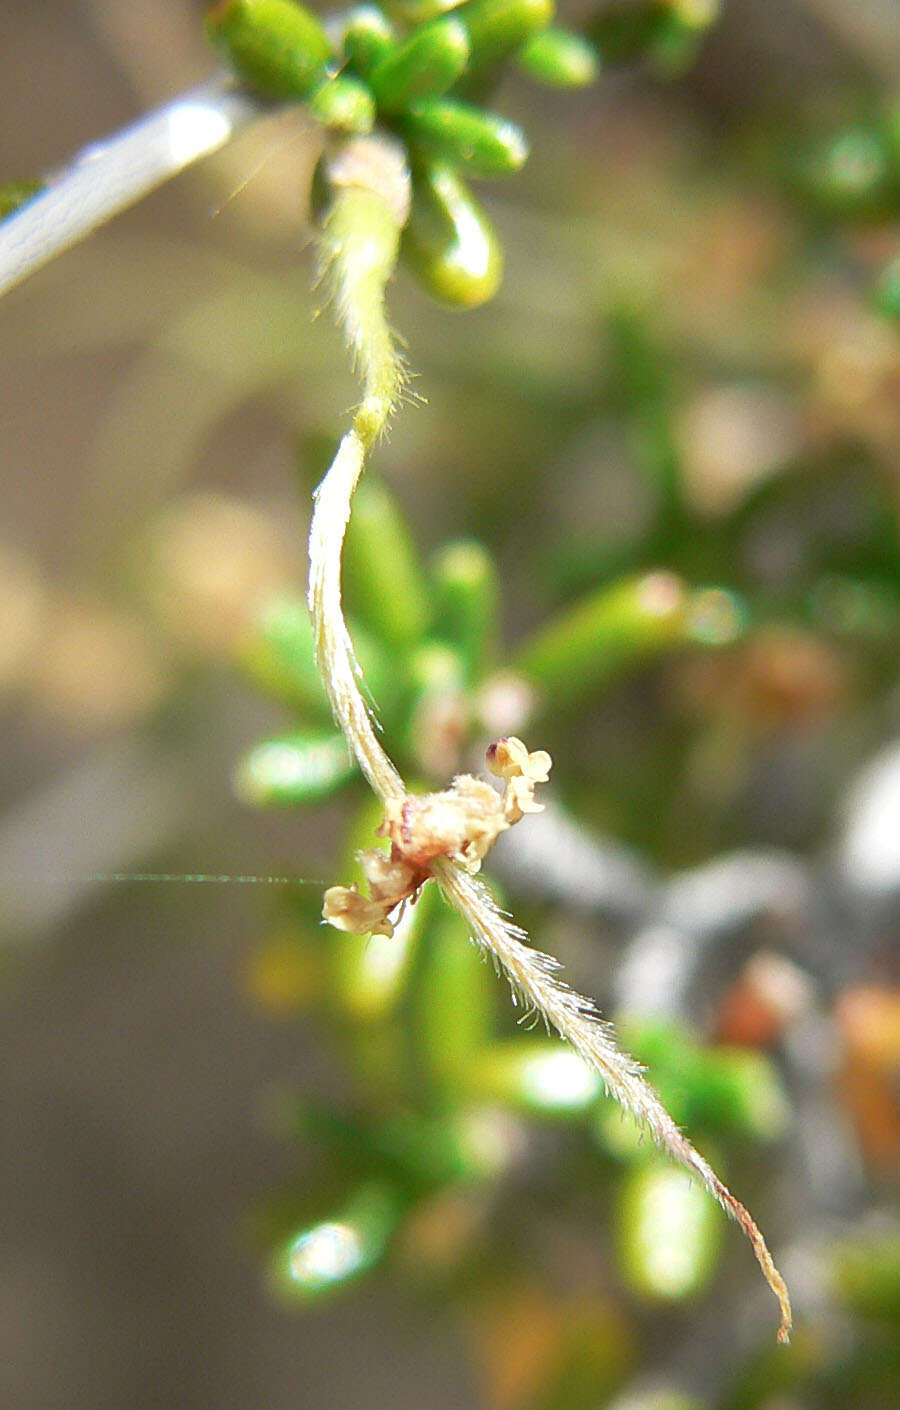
[368,37]
[276,47]
[669,1232]
[424,65]
[559,58]
[466,594]
[605,633]
[497,28]
[448,241]
[667,31]
[395,608]
[325,1256]
[480,143]
[345,103]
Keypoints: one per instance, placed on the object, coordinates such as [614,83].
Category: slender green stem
[359,247]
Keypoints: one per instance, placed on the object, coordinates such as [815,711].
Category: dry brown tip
[763,1258]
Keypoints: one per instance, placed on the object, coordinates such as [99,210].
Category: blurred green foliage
[726,602]
[667,459]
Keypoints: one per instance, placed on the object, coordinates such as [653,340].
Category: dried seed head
[461,822]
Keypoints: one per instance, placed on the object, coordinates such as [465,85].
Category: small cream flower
[519,799]
[463,818]
[508,758]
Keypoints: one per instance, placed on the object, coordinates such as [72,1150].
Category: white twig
[112,174]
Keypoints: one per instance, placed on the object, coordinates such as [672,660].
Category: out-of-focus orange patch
[781,680]
[530,1346]
[869,1021]
[768,995]
[441,1230]
[519,1339]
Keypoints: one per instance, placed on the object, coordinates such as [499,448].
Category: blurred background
[670,448]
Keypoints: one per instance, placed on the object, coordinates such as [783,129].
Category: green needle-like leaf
[559,58]
[668,1232]
[276,47]
[425,65]
[454,1002]
[605,634]
[538,1076]
[384,582]
[448,241]
[369,36]
[345,103]
[480,143]
[497,28]
[465,591]
[325,1256]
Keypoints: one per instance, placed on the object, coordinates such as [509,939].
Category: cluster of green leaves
[435,1092]
[423,70]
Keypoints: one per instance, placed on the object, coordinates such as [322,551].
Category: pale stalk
[359,249]
[532,977]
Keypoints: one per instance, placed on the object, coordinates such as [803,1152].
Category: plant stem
[358,251]
[359,247]
[532,977]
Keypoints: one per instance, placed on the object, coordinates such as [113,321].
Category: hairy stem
[532,977]
[358,247]
[358,251]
